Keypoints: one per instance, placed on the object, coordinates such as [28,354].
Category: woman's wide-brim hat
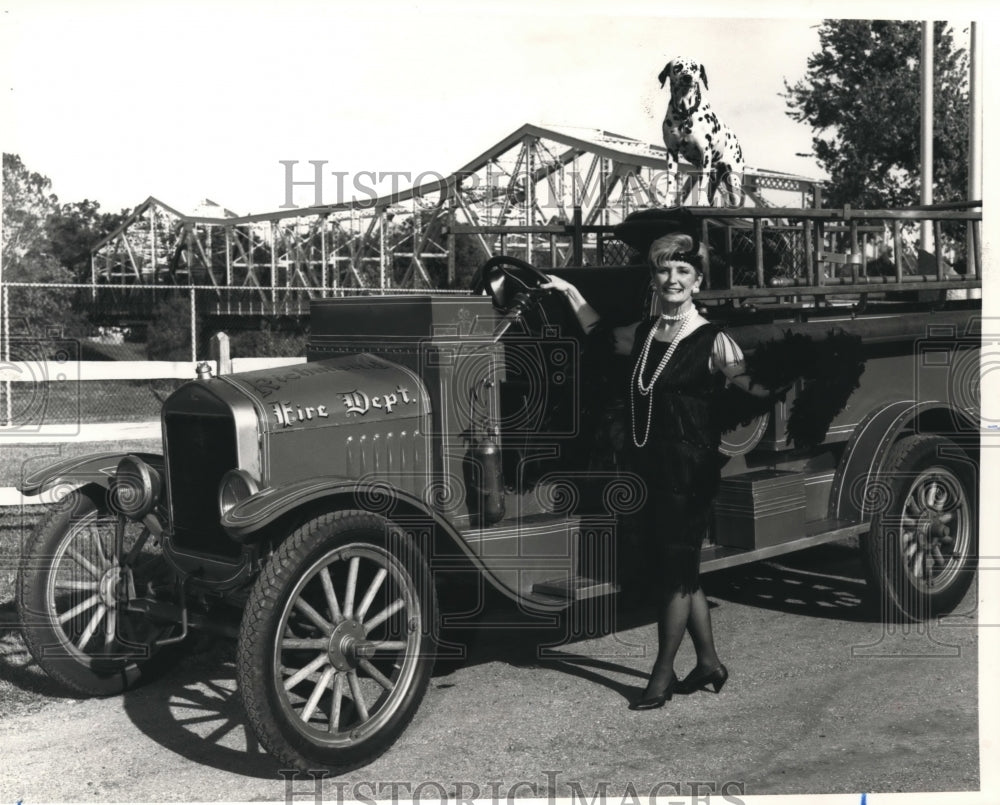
[641,228]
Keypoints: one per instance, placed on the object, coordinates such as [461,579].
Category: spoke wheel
[335,652]
[78,571]
[922,551]
[936,530]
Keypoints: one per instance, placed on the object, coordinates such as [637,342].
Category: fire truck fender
[255,517]
[93,468]
[865,455]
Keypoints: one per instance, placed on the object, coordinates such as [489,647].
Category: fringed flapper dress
[680,461]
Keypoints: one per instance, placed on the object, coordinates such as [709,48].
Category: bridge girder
[535,180]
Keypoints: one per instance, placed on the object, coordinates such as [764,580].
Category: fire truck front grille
[200,449]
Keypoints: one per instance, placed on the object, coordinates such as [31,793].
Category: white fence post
[219,352]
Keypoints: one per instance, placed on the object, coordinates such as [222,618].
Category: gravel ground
[822,699]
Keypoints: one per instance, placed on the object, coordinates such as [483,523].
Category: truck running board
[575,588]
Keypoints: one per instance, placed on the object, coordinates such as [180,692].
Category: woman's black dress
[680,462]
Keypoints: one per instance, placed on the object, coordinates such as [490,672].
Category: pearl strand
[640,369]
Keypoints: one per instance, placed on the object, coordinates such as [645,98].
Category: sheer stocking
[680,612]
[699,626]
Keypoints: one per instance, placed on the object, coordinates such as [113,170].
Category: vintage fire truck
[433,445]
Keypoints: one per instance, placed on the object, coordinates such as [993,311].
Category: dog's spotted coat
[692,129]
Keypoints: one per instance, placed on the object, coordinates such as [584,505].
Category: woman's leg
[708,670]
[699,626]
[673,616]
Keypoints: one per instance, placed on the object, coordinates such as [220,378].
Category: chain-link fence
[127,319]
[48,380]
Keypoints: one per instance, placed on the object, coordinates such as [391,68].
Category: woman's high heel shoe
[650,701]
[697,680]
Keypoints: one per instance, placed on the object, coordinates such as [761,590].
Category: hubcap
[344,641]
[108,587]
[935,529]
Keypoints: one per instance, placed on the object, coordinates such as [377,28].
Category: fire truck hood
[353,389]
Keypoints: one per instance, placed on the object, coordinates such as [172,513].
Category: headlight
[236,485]
[135,489]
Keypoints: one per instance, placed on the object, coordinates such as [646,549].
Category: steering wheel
[510,282]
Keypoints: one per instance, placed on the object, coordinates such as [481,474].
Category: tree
[27,255]
[27,204]
[861,95]
[469,256]
[269,340]
[45,242]
[168,335]
[74,228]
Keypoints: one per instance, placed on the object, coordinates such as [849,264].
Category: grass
[18,460]
[88,401]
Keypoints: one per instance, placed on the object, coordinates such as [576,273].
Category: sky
[116,101]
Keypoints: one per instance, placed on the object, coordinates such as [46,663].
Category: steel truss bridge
[543,194]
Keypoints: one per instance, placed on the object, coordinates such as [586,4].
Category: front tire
[922,551]
[72,590]
[335,650]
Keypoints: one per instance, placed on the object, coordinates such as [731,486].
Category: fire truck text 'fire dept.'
[356,402]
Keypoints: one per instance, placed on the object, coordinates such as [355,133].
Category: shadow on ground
[822,582]
[23,685]
[194,709]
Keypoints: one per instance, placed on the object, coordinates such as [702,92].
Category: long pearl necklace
[640,369]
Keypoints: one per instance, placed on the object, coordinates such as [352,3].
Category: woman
[680,364]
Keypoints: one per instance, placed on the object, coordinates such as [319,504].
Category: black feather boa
[829,369]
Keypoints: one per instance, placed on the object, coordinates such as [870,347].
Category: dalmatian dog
[691,129]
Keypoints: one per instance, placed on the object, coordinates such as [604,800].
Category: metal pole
[335,278]
[322,252]
[229,259]
[975,142]
[604,191]
[975,104]
[152,242]
[381,213]
[194,329]
[7,385]
[451,232]
[489,193]
[274,270]
[577,233]
[926,128]
[529,196]
[573,178]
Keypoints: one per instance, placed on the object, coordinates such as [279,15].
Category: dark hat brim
[641,228]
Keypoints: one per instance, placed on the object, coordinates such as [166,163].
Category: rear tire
[922,551]
[335,650]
